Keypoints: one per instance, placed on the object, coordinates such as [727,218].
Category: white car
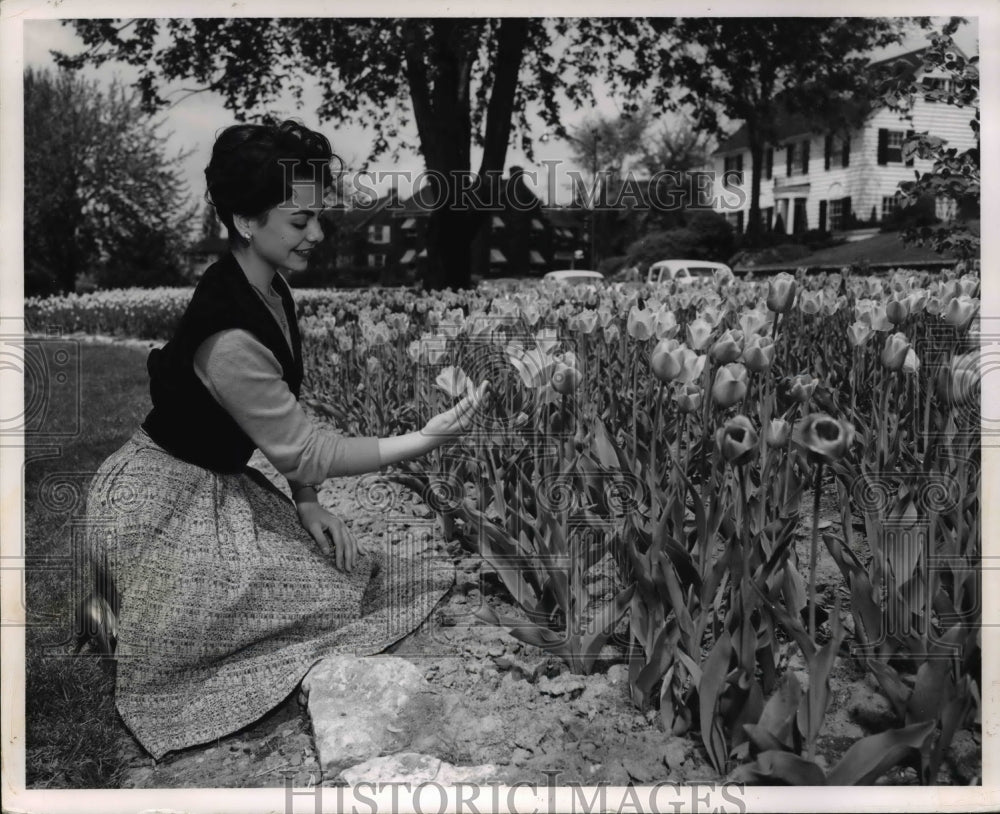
[687,272]
[575,277]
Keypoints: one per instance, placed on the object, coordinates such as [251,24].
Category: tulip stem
[654,467]
[813,551]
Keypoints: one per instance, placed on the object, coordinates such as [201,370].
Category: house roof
[788,125]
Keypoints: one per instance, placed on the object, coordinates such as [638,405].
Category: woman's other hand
[461,418]
[319,522]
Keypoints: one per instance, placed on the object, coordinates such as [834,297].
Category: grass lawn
[73,732]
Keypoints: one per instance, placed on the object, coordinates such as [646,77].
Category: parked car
[575,277]
[688,272]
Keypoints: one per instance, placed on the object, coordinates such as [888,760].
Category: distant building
[834,181]
[520,236]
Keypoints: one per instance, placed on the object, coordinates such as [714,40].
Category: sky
[191,124]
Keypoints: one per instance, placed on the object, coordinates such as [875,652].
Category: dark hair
[248,173]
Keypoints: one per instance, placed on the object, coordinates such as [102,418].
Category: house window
[767,218]
[376,261]
[890,146]
[945,208]
[797,158]
[890,204]
[935,88]
[839,212]
[733,170]
[378,233]
[836,151]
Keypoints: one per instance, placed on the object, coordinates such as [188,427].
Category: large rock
[414,768]
[365,707]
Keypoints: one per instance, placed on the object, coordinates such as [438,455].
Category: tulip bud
[859,333]
[781,293]
[665,324]
[698,332]
[801,387]
[894,352]
[736,440]
[777,433]
[694,364]
[911,364]
[959,311]
[758,355]
[667,360]
[689,398]
[728,347]
[730,385]
[824,437]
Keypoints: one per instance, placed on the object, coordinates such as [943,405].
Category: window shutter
[805,157]
[769,163]
[845,157]
[847,212]
[788,160]
[909,135]
[883,145]
[827,151]
[822,216]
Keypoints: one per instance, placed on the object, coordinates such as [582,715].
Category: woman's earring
[247,237]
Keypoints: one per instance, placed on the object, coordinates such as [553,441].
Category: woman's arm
[245,378]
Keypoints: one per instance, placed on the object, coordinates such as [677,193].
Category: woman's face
[288,232]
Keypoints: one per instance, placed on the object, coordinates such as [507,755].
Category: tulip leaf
[870,758]
[778,767]
[710,688]
[605,621]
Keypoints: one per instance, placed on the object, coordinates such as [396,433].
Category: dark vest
[186,420]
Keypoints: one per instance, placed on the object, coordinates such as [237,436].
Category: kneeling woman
[225,591]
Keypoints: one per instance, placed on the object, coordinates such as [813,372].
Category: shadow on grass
[73,733]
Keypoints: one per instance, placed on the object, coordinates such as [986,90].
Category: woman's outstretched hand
[319,522]
[461,418]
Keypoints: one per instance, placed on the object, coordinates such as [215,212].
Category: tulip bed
[689,436]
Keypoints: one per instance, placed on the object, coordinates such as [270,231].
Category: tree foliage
[955,174]
[101,195]
[464,83]
[753,69]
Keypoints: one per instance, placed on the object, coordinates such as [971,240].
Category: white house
[831,181]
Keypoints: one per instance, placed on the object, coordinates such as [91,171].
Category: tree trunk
[443,115]
[753,232]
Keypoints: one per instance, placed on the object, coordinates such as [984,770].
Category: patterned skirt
[225,600]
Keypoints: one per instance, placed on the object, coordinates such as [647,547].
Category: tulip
[698,333]
[801,387]
[897,310]
[640,323]
[730,385]
[689,398]
[754,321]
[825,438]
[758,354]
[911,364]
[894,352]
[811,302]
[959,311]
[969,285]
[917,300]
[454,382]
[877,318]
[934,306]
[777,433]
[665,324]
[694,364]
[859,333]
[781,293]
[585,322]
[667,360]
[957,383]
[611,333]
[727,347]
[565,378]
[736,440]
